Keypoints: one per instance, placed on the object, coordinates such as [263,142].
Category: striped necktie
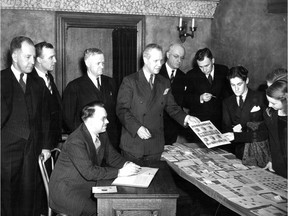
[97,143]
[22,83]
[48,83]
[151,81]
[172,77]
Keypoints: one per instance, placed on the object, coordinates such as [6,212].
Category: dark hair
[238,71]
[39,47]
[277,74]
[149,47]
[91,51]
[89,109]
[202,53]
[278,90]
[16,43]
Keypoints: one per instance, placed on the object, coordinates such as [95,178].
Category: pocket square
[166,91]
[255,109]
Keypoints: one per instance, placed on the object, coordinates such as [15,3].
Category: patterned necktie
[22,83]
[98,83]
[97,143]
[151,81]
[48,83]
[210,79]
[240,101]
[172,76]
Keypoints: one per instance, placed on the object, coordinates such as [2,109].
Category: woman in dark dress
[276,121]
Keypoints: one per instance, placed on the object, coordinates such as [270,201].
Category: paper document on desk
[142,179]
[209,134]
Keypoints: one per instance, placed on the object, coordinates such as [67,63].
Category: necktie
[98,83]
[151,81]
[48,83]
[240,101]
[210,79]
[22,83]
[172,76]
[97,143]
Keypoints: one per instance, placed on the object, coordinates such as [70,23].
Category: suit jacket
[197,84]
[178,86]
[55,107]
[278,149]
[138,105]
[82,91]
[36,107]
[233,115]
[78,168]
[171,127]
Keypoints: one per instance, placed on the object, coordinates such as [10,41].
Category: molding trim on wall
[184,8]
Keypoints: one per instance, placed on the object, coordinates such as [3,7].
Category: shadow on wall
[7,60]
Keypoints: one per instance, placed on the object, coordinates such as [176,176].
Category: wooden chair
[45,176]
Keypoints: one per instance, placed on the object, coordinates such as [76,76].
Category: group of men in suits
[149,107]
[30,122]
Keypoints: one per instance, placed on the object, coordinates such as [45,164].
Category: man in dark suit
[79,164]
[207,86]
[44,64]
[142,99]
[90,87]
[170,70]
[24,132]
[243,118]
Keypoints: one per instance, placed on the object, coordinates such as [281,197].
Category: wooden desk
[158,199]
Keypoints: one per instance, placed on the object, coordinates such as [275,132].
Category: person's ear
[247,81]
[145,60]
[168,54]
[14,56]
[38,59]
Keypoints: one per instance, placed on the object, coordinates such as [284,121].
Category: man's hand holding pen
[129,169]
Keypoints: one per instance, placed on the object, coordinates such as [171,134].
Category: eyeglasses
[177,56]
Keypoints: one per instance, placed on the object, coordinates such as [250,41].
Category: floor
[193,202]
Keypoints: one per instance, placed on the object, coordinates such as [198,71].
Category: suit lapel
[55,90]
[89,144]
[164,71]
[30,95]
[274,125]
[91,86]
[144,87]
[154,91]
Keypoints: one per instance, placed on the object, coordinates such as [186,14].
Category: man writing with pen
[207,86]
[86,157]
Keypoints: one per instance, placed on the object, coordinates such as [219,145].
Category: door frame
[66,20]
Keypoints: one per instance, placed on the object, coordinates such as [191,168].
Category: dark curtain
[124,42]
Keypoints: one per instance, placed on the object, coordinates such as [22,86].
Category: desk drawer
[135,207]
[136,213]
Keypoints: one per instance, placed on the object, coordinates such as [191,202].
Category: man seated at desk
[79,165]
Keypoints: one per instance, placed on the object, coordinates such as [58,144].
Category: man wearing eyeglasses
[170,70]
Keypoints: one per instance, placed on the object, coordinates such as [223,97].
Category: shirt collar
[147,75]
[17,74]
[212,73]
[93,78]
[244,94]
[169,70]
[93,135]
[41,73]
